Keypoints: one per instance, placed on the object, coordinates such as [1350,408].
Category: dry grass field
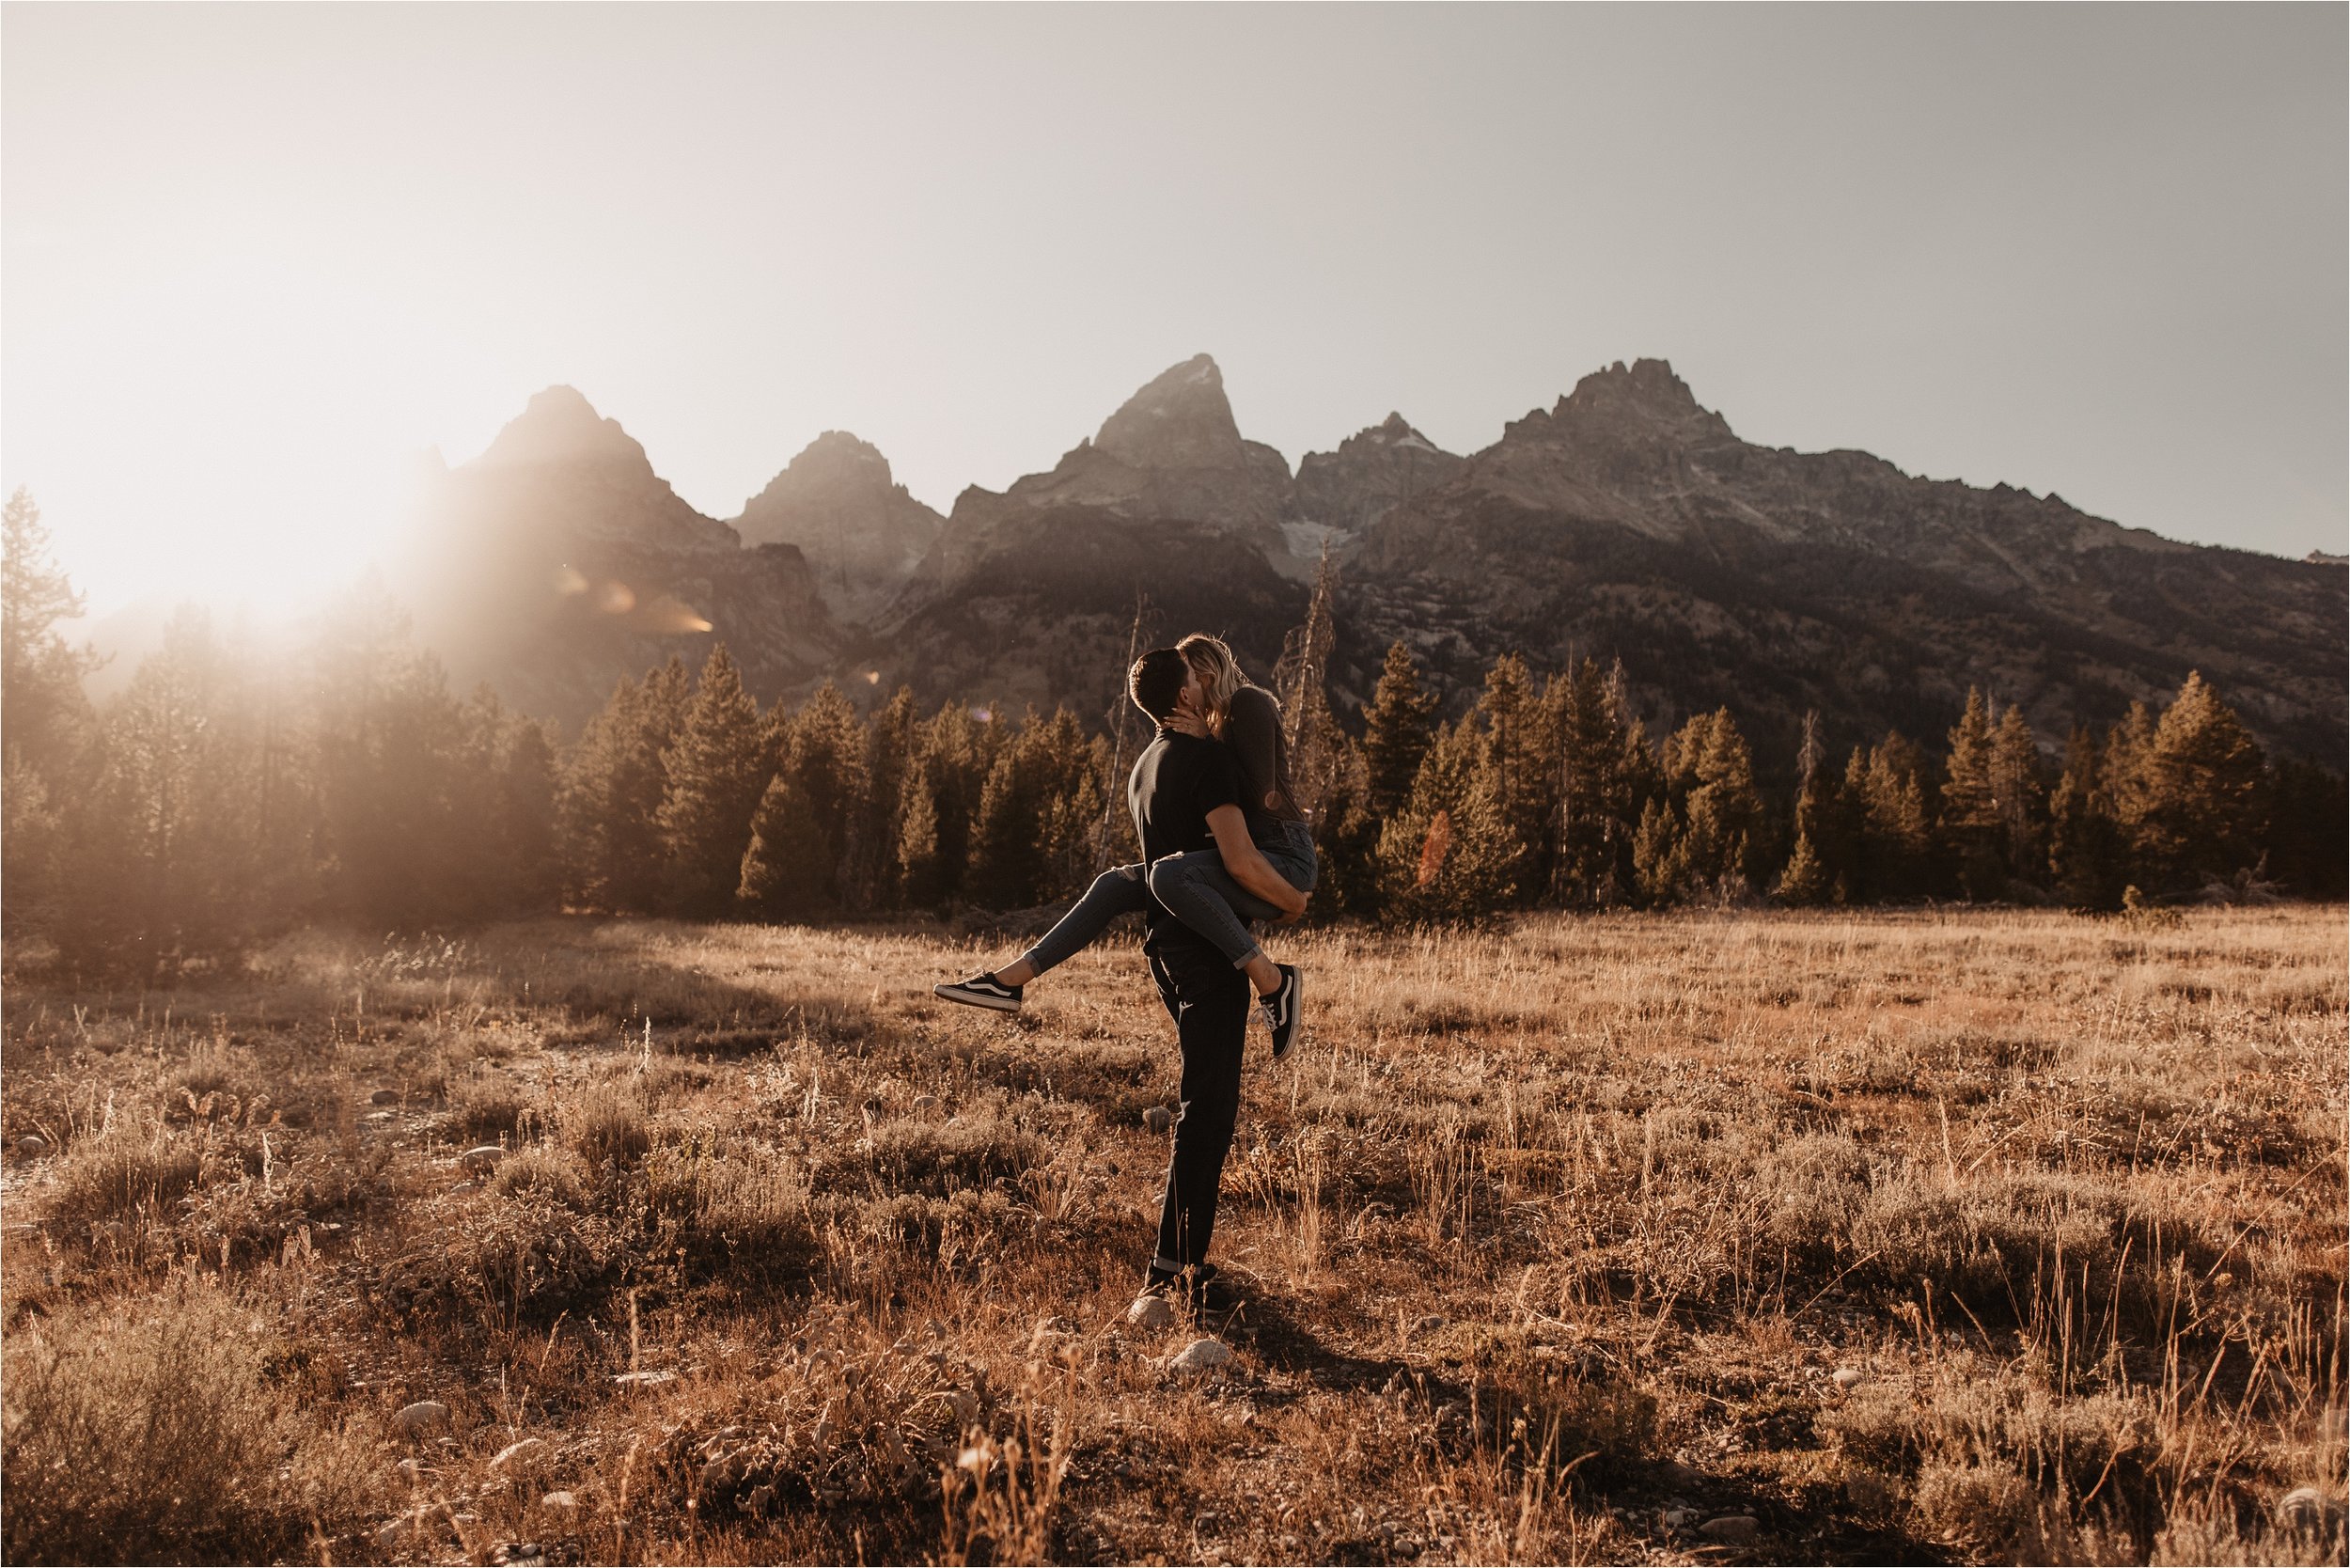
[1870,1237]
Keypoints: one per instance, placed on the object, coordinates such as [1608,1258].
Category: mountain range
[1626,521]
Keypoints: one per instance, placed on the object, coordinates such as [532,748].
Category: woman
[1197,887]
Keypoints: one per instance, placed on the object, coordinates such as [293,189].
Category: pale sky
[256,257]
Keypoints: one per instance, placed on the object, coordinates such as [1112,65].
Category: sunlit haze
[259,259]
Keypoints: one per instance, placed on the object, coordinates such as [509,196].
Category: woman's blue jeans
[1196,889]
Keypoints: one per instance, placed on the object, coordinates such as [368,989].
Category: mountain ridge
[1625,519]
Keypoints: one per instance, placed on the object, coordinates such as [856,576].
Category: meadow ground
[1962,1236]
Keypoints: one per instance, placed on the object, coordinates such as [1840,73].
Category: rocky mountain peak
[1647,396]
[1373,470]
[860,532]
[836,462]
[1179,420]
[561,425]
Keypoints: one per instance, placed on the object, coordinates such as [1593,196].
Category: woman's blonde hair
[1220,679]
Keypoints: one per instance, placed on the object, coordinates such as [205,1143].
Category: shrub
[486,1106]
[118,1177]
[547,1172]
[147,1431]
[605,1123]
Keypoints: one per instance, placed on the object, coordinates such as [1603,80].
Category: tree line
[223,796]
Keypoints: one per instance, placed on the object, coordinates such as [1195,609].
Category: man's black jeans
[1209,1002]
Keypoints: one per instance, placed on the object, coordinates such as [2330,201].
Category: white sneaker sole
[974,998]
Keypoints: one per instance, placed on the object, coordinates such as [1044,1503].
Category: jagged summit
[1645,403]
[1373,470]
[560,425]
[862,533]
[835,461]
[1181,419]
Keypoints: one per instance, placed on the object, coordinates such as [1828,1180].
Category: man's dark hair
[1156,681]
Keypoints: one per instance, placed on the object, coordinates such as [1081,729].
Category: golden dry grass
[1553,1240]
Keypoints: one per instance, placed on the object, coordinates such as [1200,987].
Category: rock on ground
[1201,1356]
[423,1416]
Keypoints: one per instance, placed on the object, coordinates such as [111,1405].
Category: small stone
[385,1097]
[1428,1325]
[926,1103]
[645,1379]
[1735,1529]
[426,1415]
[1151,1312]
[530,1451]
[1678,1518]
[382,1119]
[32,1146]
[1849,1377]
[482,1158]
[1157,1118]
[561,1502]
[1201,1356]
[394,1533]
[2303,1508]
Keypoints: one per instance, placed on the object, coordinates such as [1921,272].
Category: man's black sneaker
[981,990]
[1281,1012]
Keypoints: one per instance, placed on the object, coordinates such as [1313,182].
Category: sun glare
[246,434]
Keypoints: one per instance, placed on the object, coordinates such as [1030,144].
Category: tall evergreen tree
[45,723]
[2202,805]
[1811,874]
[806,838]
[1892,824]
[714,773]
[43,716]
[2085,843]
[2019,796]
[1397,729]
[1605,777]
[1447,853]
[1969,831]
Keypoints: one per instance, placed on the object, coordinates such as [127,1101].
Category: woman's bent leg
[1119,891]
[1199,891]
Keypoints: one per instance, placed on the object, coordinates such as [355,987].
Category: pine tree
[1448,854]
[892,740]
[2085,843]
[1810,876]
[714,774]
[2203,808]
[1886,785]
[1716,814]
[1970,831]
[1317,744]
[2019,796]
[1521,763]
[2308,838]
[934,820]
[45,723]
[1012,831]
[1599,796]
[804,861]
[1397,729]
[43,714]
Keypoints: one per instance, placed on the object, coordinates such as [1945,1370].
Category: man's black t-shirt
[1177,781]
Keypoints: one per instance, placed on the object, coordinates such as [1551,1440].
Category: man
[1186,793]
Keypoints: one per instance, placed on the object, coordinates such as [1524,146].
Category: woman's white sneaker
[1281,1012]
[980,990]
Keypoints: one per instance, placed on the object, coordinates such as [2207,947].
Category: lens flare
[567,581]
[615,598]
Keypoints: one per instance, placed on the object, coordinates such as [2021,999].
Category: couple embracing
[1224,844]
